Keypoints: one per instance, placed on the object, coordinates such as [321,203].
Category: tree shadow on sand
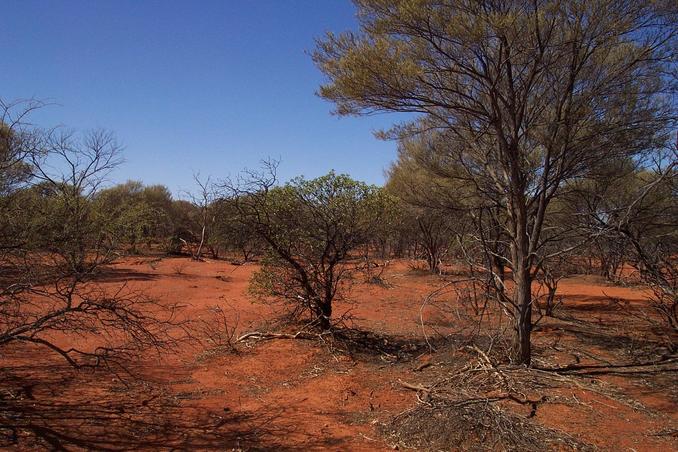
[368,345]
[66,411]
[123,275]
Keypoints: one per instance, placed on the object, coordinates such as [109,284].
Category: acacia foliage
[310,228]
[516,98]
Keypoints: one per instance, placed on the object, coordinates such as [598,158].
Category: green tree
[230,234]
[135,213]
[521,96]
[309,227]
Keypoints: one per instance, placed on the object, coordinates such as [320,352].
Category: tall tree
[523,96]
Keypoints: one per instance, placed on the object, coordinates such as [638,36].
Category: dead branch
[258,335]
[414,387]
[649,367]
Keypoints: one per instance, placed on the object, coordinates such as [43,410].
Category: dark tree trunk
[550,301]
[500,270]
[432,261]
[522,277]
[324,315]
[522,351]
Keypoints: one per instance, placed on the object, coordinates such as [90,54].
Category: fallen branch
[578,369]
[421,367]
[266,336]
[414,387]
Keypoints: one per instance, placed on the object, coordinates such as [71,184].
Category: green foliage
[310,227]
[517,99]
[230,234]
[305,214]
[59,220]
[14,169]
[136,213]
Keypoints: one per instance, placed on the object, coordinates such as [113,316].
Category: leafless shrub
[472,297]
[204,202]
[122,323]
[49,294]
[374,272]
[547,277]
[474,426]
[220,330]
[467,315]
[648,225]
[179,267]
[661,277]
[660,273]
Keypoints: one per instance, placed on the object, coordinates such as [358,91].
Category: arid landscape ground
[386,383]
[196,255]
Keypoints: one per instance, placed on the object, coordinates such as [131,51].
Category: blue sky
[208,86]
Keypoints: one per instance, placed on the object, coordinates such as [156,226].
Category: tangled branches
[109,326]
[484,405]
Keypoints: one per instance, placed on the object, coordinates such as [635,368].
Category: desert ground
[402,362]
[196,255]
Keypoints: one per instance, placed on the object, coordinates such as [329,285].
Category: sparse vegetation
[512,286]
[310,227]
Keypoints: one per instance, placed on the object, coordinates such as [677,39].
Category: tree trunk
[324,315]
[550,301]
[522,277]
[501,270]
[522,351]
[202,241]
[431,261]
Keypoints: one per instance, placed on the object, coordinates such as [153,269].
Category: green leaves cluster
[516,99]
[136,213]
[310,228]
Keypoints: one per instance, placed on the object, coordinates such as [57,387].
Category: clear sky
[209,86]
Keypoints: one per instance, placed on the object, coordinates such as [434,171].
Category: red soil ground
[305,395]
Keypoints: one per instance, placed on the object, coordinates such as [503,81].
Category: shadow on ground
[64,410]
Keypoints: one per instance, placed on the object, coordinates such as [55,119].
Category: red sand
[291,394]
